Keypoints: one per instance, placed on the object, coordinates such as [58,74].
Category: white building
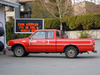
[11,12]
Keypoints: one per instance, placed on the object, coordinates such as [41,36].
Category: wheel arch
[17,45]
[71,46]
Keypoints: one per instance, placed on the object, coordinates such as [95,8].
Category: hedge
[9,30]
[51,23]
[80,22]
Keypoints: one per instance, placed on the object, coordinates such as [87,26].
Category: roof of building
[8,3]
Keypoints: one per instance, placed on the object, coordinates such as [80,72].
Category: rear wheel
[71,52]
[19,51]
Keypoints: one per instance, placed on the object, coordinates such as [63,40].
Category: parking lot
[51,64]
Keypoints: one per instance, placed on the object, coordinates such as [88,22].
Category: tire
[1,31]
[1,46]
[71,52]
[19,51]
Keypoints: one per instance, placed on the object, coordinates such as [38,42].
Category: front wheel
[71,52]
[19,51]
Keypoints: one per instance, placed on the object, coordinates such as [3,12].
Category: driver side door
[37,42]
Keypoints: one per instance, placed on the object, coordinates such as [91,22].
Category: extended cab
[50,41]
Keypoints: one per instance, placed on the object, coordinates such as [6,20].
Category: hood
[19,40]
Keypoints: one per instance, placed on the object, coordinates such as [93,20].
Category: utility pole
[17,11]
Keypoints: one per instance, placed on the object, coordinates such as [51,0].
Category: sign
[28,25]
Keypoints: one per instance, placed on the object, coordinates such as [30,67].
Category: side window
[49,34]
[57,34]
[39,35]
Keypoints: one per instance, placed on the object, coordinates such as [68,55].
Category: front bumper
[8,47]
[95,51]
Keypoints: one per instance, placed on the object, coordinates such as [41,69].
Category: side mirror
[30,38]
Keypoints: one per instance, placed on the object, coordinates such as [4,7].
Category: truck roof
[46,29]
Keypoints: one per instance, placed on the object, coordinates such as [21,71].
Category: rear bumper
[95,51]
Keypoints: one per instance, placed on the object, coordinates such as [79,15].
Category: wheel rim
[71,53]
[19,52]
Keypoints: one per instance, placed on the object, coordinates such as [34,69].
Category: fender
[76,46]
[17,42]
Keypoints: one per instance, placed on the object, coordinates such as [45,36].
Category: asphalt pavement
[51,64]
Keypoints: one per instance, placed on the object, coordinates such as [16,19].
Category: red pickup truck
[50,41]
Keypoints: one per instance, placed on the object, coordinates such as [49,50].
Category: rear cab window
[57,34]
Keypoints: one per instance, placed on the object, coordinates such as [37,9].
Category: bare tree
[58,8]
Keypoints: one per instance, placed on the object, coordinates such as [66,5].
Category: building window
[22,8]
[25,15]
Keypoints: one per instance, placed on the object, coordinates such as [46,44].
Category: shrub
[10,32]
[51,23]
[82,22]
[84,34]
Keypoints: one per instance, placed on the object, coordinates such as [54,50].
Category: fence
[92,33]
